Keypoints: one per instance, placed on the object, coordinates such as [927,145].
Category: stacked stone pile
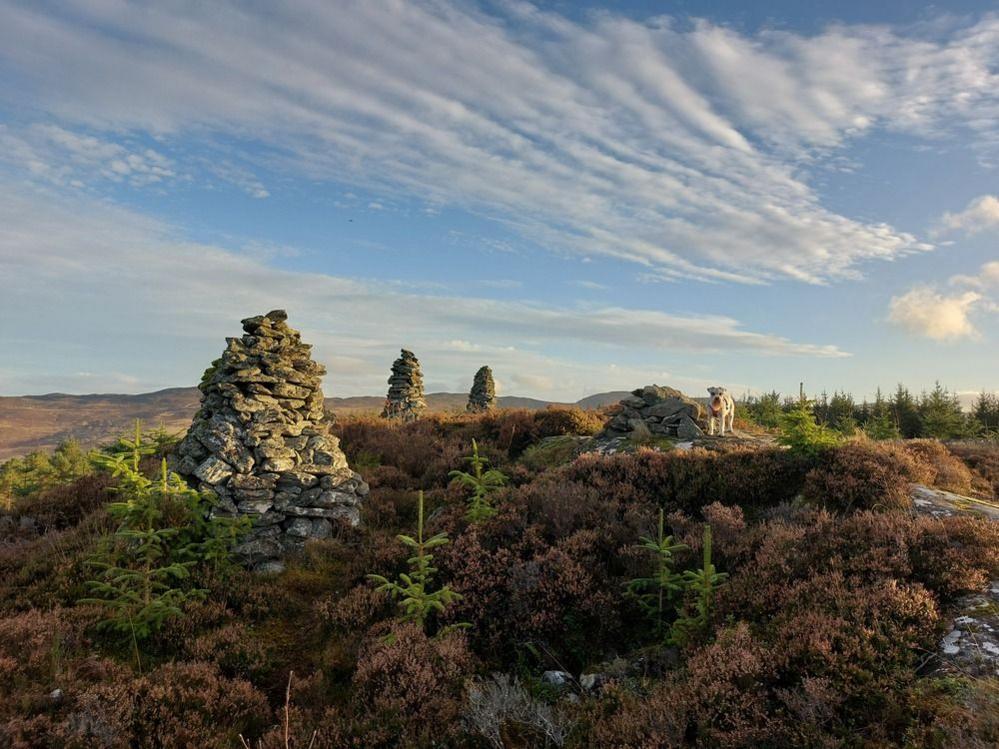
[261,442]
[405,395]
[655,410]
[482,396]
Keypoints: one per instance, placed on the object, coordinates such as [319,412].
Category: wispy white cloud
[120,288]
[682,148]
[987,277]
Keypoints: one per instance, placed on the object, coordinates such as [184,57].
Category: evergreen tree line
[936,413]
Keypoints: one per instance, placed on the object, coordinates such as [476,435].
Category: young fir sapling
[702,583]
[664,585]
[482,483]
[413,589]
[164,530]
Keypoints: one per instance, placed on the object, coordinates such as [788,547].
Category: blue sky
[586,196]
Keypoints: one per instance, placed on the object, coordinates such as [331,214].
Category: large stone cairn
[655,410]
[261,442]
[405,395]
[482,396]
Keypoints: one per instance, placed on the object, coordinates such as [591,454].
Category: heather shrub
[234,648]
[411,684]
[30,645]
[61,506]
[858,476]
[177,705]
[983,459]
[720,701]
[559,596]
[554,422]
[955,555]
[856,635]
[690,480]
[944,469]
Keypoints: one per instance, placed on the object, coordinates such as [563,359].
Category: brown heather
[832,604]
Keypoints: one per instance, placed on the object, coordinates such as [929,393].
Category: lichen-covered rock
[658,411]
[261,443]
[405,395]
[482,396]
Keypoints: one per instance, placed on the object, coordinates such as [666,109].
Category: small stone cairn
[482,396]
[405,395]
[660,411]
[261,442]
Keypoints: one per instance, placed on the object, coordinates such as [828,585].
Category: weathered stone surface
[213,470]
[688,430]
[654,410]
[482,396]
[405,395]
[261,442]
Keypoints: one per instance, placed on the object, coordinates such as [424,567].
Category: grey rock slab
[213,470]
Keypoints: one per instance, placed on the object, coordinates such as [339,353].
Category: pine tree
[482,483]
[702,583]
[664,585]
[766,410]
[164,530]
[142,583]
[940,415]
[985,413]
[905,413]
[799,431]
[413,590]
[842,415]
[880,424]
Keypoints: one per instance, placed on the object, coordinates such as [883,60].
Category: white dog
[721,411]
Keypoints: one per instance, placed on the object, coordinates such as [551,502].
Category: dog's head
[717,400]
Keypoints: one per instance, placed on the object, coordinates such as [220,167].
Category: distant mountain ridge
[40,422]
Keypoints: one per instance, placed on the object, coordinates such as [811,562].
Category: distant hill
[600,400]
[40,422]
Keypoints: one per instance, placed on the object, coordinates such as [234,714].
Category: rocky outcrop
[482,396]
[971,646]
[405,395]
[261,443]
[656,411]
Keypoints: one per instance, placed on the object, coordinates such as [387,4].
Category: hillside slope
[40,422]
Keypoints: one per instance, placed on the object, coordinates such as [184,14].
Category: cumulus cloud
[98,284]
[681,147]
[926,312]
[982,214]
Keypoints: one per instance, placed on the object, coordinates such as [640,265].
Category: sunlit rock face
[261,443]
